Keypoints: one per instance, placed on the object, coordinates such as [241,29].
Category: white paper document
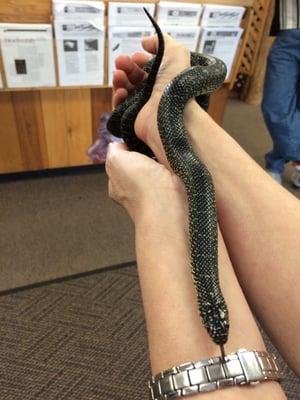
[129,14]
[124,40]
[27,52]
[84,9]
[80,51]
[220,15]
[188,36]
[221,43]
[175,13]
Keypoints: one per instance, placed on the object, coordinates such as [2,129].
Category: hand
[143,186]
[129,74]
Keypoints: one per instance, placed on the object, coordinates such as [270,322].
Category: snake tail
[121,122]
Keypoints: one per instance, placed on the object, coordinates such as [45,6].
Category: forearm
[175,331]
[260,222]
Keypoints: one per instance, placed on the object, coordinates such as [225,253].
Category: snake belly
[204,76]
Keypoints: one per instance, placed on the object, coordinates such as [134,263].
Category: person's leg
[280,104]
[295,178]
[274,161]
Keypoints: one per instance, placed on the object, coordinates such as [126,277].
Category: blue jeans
[281,101]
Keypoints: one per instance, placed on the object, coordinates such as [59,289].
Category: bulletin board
[46,128]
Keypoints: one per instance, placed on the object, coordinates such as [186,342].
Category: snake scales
[205,75]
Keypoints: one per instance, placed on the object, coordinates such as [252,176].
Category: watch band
[240,368]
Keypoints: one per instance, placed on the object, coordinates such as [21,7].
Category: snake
[205,75]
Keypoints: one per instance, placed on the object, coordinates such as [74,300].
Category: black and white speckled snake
[205,75]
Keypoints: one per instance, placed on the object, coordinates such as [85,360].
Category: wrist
[162,212]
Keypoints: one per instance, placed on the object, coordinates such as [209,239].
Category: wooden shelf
[58,88]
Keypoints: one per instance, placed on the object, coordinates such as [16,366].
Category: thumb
[115,147]
[150,43]
[115,155]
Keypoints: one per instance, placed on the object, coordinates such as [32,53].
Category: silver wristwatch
[240,368]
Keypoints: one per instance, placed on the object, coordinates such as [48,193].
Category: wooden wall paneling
[101,103]
[78,114]
[3,77]
[25,11]
[255,88]
[253,92]
[217,103]
[53,105]
[30,126]
[246,24]
[10,156]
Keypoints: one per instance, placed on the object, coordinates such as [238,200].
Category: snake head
[216,321]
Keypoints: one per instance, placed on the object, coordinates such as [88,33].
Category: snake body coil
[204,76]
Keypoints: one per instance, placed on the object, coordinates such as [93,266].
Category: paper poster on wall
[170,13]
[74,9]
[80,51]
[27,52]
[124,40]
[220,15]
[129,14]
[221,43]
[188,36]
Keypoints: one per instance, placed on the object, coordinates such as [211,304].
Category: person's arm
[258,218]
[260,222]
[157,203]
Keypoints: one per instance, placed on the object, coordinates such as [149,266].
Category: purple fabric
[98,150]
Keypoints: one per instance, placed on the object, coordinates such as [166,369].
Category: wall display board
[27,52]
[181,21]
[80,38]
[187,35]
[221,15]
[85,9]
[179,13]
[129,14]
[221,32]
[221,43]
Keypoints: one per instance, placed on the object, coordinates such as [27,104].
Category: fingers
[140,58]
[128,75]
[120,80]
[119,96]
[150,44]
[134,73]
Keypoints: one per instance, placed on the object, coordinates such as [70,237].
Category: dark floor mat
[82,339]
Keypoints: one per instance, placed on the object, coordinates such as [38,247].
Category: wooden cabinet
[51,128]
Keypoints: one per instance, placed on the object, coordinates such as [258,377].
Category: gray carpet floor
[83,339]
[60,225]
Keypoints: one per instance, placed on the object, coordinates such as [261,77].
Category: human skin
[175,331]
[259,219]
